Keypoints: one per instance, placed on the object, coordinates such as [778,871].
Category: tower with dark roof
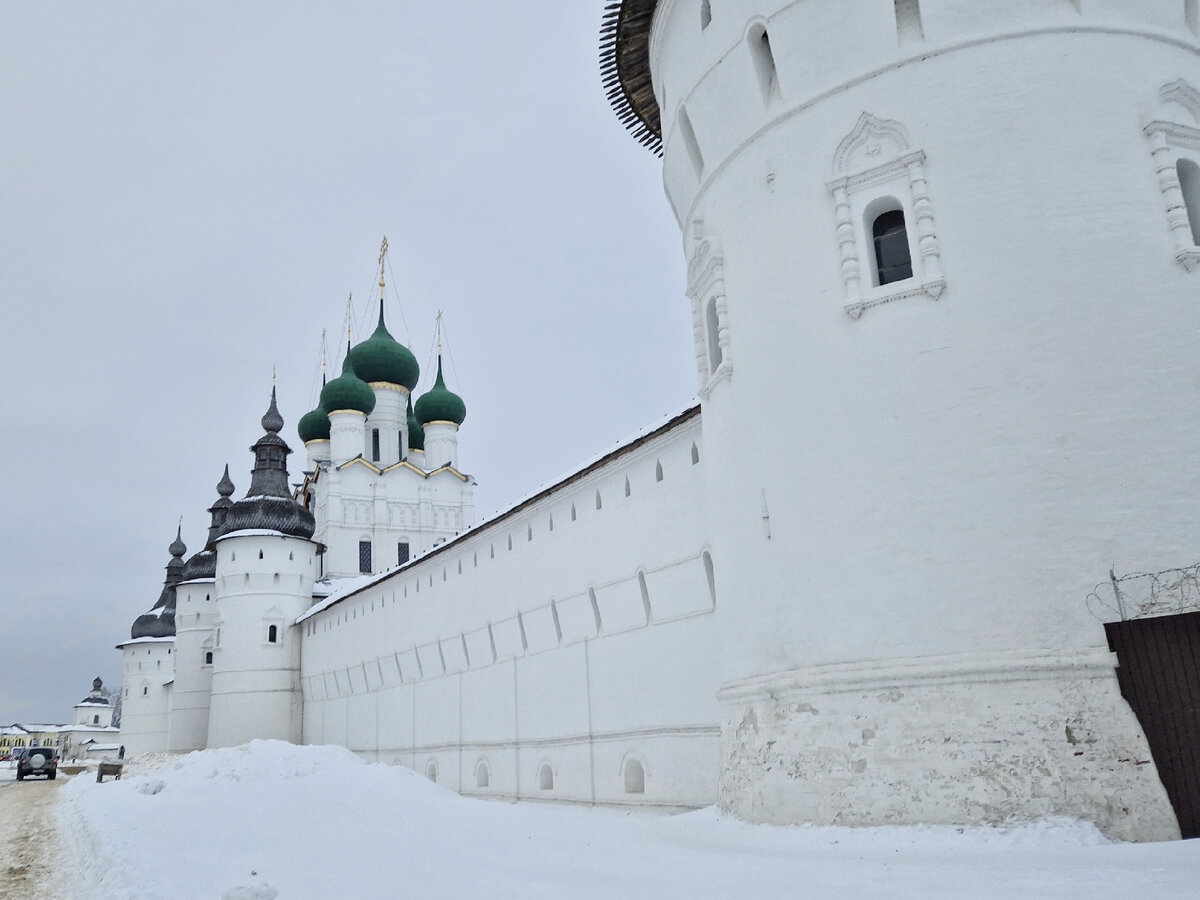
[149,664]
[266,562]
[195,626]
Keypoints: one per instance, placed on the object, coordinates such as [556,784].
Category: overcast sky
[188,193]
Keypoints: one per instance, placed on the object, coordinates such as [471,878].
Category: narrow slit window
[1189,184]
[374,445]
[1191,15]
[764,62]
[893,261]
[705,14]
[689,141]
[273,634]
[908,22]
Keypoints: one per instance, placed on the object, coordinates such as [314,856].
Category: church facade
[942,259]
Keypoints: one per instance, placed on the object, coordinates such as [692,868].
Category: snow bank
[273,820]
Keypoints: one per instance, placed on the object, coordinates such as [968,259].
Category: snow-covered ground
[270,819]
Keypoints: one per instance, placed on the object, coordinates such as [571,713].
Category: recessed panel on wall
[540,633]
[679,590]
[454,654]
[479,648]
[576,618]
[507,635]
[621,607]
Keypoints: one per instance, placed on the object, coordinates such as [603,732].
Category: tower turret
[935,285]
[266,564]
[347,400]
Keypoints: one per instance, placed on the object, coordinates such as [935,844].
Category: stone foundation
[953,740]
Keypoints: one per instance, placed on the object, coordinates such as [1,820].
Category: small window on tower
[273,634]
[364,557]
[893,262]
[1189,185]
[402,553]
[374,445]
[95,720]
[208,657]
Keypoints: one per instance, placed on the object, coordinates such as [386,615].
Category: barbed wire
[1138,595]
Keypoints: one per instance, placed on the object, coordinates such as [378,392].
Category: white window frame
[1170,140]
[874,161]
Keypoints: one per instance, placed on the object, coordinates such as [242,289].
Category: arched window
[546,777]
[431,770]
[1189,184]
[208,657]
[695,454]
[273,634]
[483,776]
[658,472]
[705,14]
[635,777]
[893,261]
[712,332]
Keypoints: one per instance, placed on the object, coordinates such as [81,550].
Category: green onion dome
[347,391]
[440,404]
[382,358]
[416,434]
[313,426]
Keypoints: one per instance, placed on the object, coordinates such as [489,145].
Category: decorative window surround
[706,282]
[1169,140]
[877,160]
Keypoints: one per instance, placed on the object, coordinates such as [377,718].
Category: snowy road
[30,849]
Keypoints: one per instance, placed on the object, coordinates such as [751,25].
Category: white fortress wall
[556,651]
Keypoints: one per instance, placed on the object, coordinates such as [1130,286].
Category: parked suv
[37,761]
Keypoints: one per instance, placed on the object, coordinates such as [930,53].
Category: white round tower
[195,624]
[265,567]
[946,253]
[149,666]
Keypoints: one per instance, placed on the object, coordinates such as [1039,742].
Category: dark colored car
[37,761]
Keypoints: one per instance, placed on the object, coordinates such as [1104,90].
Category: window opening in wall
[1191,15]
[491,551]
[482,775]
[546,777]
[572,512]
[635,777]
[908,21]
[364,557]
[402,553]
[764,62]
[690,143]
[400,443]
[95,720]
[145,691]
[645,592]
[705,14]
[598,503]
[658,473]
[551,523]
[627,491]
[260,554]
[510,542]
[708,574]
[695,454]
[291,556]
[431,770]
[273,634]
[375,445]
[208,657]
[1189,184]
[711,328]
[893,261]
[528,532]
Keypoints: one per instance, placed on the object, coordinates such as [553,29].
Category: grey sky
[189,191]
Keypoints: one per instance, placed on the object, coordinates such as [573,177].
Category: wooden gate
[1158,668]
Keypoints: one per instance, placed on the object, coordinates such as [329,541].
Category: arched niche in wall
[877,170]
